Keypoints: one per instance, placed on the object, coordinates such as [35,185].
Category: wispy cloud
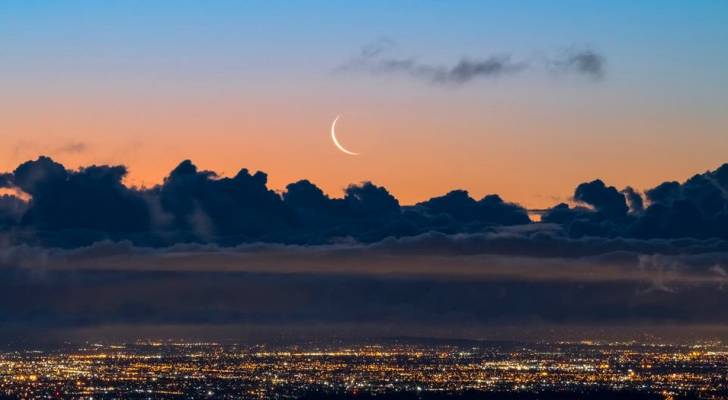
[583,62]
[377,58]
[72,148]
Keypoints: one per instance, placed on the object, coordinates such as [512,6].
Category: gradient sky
[254,84]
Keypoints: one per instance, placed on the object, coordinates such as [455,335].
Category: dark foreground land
[394,369]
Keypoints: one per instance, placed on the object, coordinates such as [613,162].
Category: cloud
[634,200]
[606,200]
[491,209]
[72,148]
[240,207]
[92,199]
[511,275]
[462,72]
[23,148]
[70,208]
[697,208]
[375,58]
[84,250]
[12,209]
[56,206]
[377,48]
[583,62]
[87,251]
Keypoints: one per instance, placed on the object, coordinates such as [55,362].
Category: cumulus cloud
[606,200]
[90,199]
[55,206]
[69,208]
[697,208]
[491,209]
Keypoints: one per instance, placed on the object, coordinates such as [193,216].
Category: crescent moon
[336,142]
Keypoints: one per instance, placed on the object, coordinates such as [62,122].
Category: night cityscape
[174,369]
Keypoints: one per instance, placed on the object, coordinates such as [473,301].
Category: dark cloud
[515,275]
[55,206]
[201,249]
[91,202]
[234,209]
[375,58]
[584,62]
[6,180]
[634,200]
[71,208]
[546,249]
[697,208]
[606,200]
[80,249]
[664,193]
[61,299]
[490,210]
[12,209]
[463,71]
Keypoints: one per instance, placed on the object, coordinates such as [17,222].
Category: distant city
[401,369]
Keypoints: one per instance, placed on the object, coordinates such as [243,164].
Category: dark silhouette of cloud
[664,193]
[490,210]
[606,200]
[236,209]
[90,199]
[70,208]
[697,208]
[56,206]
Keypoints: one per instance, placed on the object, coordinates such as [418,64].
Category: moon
[336,142]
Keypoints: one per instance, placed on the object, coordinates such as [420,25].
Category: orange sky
[530,151]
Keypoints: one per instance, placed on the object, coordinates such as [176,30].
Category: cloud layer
[450,281]
[81,249]
[69,208]
[72,208]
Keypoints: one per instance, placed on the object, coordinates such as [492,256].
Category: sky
[257,85]
[615,108]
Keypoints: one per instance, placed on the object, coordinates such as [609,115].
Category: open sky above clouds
[526,100]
